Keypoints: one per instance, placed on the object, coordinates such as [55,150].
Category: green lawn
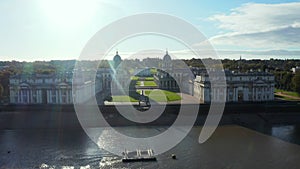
[295,94]
[134,78]
[162,95]
[138,78]
[123,98]
[149,78]
[171,96]
[153,71]
[156,95]
[150,83]
[147,83]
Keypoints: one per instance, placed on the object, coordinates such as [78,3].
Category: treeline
[284,77]
[247,65]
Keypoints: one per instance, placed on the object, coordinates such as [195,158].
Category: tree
[1,90]
[286,81]
[296,82]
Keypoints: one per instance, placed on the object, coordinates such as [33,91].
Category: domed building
[165,76]
[107,78]
[167,62]
[115,78]
[117,60]
[172,78]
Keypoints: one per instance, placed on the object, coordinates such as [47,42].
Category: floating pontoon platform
[138,155]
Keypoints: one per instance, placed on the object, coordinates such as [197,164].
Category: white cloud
[261,26]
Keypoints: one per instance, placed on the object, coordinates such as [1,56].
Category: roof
[167,57]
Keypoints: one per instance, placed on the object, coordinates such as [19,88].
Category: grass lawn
[147,83]
[149,78]
[295,94]
[153,71]
[162,95]
[123,98]
[150,83]
[134,78]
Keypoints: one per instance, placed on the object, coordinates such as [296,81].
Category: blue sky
[45,30]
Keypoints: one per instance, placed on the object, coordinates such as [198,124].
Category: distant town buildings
[3,67]
[296,69]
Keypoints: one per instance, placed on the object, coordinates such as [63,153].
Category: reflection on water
[109,161]
[284,127]
[290,133]
[27,148]
[32,148]
[104,163]
[45,166]
[49,148]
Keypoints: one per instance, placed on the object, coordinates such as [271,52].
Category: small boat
[138,155]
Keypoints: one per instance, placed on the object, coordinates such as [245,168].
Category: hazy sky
[59,29]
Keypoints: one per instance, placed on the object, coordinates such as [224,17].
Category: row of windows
[251,78]
[16,81]
[250,98]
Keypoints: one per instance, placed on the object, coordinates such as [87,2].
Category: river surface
[49,140]
[67,148]
[289,133]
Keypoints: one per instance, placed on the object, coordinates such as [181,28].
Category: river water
[231,146]
[289,133]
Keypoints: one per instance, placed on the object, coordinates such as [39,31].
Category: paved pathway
[285,95]
[186,99]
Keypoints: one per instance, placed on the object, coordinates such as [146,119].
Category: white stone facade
[39,89]
[255,87]
[48,89]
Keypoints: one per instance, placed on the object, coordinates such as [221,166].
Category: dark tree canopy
[296,82]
